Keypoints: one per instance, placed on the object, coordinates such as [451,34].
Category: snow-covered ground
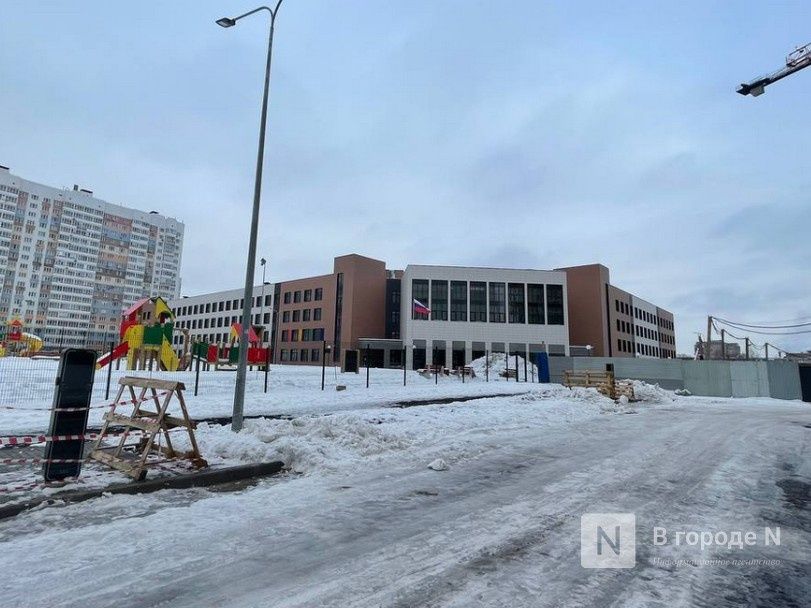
[27,388]
[363,521]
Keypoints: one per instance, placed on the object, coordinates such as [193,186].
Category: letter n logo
[608,540]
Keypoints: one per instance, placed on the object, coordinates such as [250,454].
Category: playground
[16,342]
[147,334]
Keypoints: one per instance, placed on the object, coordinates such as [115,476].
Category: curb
[192,480]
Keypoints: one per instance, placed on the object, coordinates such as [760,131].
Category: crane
[796,60]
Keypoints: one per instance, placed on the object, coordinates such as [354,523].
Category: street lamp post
[325,349]
[262,263]
[239,390]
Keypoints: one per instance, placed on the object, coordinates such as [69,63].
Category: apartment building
[71,262]
[614,322]
[474,310]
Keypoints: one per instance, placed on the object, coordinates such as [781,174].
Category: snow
[438,465]
[363,518]
[499,362]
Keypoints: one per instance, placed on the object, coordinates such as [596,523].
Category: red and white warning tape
[23,440]
[83,409]
[34,439]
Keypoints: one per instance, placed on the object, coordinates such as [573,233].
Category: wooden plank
[166,385]
[131,469]
[138,423]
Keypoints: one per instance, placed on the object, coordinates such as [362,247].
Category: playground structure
[226,357]
[146,338]
[18,342]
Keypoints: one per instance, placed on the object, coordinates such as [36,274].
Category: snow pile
[304,444]
[499,362]
[650,393]
[438,465]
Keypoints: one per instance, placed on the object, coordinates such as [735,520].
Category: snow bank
[651,393]
[499,362]
[305,444]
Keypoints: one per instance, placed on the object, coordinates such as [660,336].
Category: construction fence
[777,379]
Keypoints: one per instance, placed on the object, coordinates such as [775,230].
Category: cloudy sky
[521,133]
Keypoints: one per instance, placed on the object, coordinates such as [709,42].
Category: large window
[316,314]
[535,304]
[498,303]
[458,301]
[439,301]
[515,295]
[478,301]
[419,291]
[308,295]
[554,304]
[319,293]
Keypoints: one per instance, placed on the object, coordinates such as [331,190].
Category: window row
[305,335]
[258,319]
[224,305]
[304,355]
[480,301]
[303,315]
[626,346]
[308,295]
[643,315]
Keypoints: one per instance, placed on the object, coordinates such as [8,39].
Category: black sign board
[74,386]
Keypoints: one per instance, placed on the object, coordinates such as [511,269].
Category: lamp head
[226,22]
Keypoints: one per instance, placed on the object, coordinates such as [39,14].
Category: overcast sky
[523,133]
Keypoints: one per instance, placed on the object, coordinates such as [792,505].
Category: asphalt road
[499,529]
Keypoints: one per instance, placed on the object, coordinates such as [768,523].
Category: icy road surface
[500,527]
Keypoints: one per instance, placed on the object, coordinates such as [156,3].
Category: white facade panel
[208,317]
[493,336]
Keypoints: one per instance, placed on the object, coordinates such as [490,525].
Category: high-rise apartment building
[70,262]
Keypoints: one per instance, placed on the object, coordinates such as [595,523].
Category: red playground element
[15,331]
[118,352]
[257,356]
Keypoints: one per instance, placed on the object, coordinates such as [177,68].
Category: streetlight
[239,389]
[325,350]
[262,263]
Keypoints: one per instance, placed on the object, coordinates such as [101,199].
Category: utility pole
[767,350]
[747,347]
[709,339]
[723,344]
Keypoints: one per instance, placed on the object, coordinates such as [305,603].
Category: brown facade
[587,307]
[613,321]
[305,319]
[351,305]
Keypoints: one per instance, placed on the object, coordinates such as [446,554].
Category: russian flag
[420,308]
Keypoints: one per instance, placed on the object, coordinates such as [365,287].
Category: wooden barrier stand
[155,425]
[603,381]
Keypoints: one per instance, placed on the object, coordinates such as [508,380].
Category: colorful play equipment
[19,342]
[146,337]
[226,357]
